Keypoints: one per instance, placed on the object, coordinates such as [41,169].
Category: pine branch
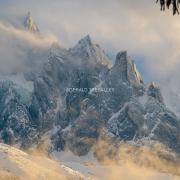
[168,3]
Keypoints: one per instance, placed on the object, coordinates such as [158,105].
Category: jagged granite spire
[154,91]
[121,58]
[29,24]
[121,63]
[85,41]
[126,69]
[83,48]
[90,52]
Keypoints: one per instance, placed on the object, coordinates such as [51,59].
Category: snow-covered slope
[16,164]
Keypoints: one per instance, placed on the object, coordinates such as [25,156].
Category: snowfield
[16,164]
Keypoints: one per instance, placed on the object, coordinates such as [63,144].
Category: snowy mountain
[86,50]
[71,97]
[16,164]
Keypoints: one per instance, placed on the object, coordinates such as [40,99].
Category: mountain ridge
[132,111]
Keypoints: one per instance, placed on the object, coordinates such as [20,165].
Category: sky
[151,37]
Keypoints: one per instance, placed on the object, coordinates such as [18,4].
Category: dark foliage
[169,3]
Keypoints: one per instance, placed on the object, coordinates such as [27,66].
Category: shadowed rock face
[121,66]
[154,91]
[130,111]
[126,69]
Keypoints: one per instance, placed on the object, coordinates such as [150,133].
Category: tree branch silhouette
[169,3]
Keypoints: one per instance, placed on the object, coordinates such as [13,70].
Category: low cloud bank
[17,46]
[126,161]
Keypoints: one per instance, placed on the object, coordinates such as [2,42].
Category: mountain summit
[126,69]
[29,24]
[76,94]
[88,51]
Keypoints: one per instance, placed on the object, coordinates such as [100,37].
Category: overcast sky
[151,37]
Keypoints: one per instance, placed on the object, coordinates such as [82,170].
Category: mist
[16,46]
[126,161]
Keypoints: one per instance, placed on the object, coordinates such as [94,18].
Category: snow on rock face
[127,69]
[88,51]
[154,91]
[143,100]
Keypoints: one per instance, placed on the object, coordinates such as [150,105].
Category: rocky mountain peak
[126,68]
[86,40]
[29,24]
[153,85]
[84,45]
[89,52]
[121,58]
[154,91]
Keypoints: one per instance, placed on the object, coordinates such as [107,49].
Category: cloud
[139,163]
[26,36]
[137,26]
[15,46]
